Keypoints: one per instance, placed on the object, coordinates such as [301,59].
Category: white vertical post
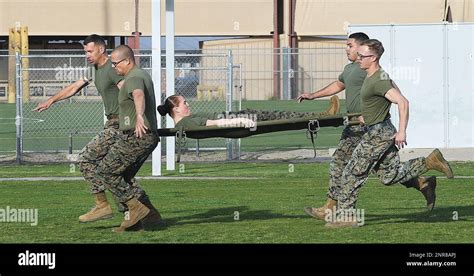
[170,141]
[156,74]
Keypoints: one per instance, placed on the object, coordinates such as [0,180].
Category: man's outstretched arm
[65,93]
[333,88]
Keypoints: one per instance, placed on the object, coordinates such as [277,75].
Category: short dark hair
[375,46]
[96,39]
[125,51]
[359,37]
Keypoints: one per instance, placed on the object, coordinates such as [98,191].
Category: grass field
[270,207]
[63,118]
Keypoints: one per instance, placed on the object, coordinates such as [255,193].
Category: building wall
[331,17]
[223,17]
[117,17]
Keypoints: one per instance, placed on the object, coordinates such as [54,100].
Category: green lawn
[270,208]
[231,169]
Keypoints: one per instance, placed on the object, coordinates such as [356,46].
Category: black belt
[377,125]
[112,116]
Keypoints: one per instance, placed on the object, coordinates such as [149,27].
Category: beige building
[221,18]
[318,60]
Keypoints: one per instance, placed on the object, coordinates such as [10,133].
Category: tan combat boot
[136,212]
[427,186]
[320,213]
[153,219]
[436,161]
[102,209]
[333,107]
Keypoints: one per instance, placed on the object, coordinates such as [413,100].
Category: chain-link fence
[68,125]
[285,73]
[212,80]
[271,79]
[7,111]
[204,79]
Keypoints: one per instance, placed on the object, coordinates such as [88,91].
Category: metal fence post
[239,86]
[286,81]
[19,111]
[228,108]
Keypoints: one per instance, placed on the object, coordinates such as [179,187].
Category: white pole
[170,141]
[156,74]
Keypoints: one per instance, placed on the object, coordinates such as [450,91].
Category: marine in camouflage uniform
[106,80]
[137,139]
[352,79]
[377,153]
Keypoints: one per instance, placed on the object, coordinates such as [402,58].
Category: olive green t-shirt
[353,78]
[196,120]
[136,79]
[375,107]
[106,80]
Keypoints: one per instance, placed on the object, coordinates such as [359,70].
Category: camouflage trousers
[350,138]
[93,153]
[122,162]
[376,153]
[264,115]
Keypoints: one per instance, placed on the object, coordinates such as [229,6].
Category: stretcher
[311,124]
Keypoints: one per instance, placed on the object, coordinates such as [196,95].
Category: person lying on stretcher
[178,109]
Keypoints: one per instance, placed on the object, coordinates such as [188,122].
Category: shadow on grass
[440,214]
[228,215]
[219,215]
